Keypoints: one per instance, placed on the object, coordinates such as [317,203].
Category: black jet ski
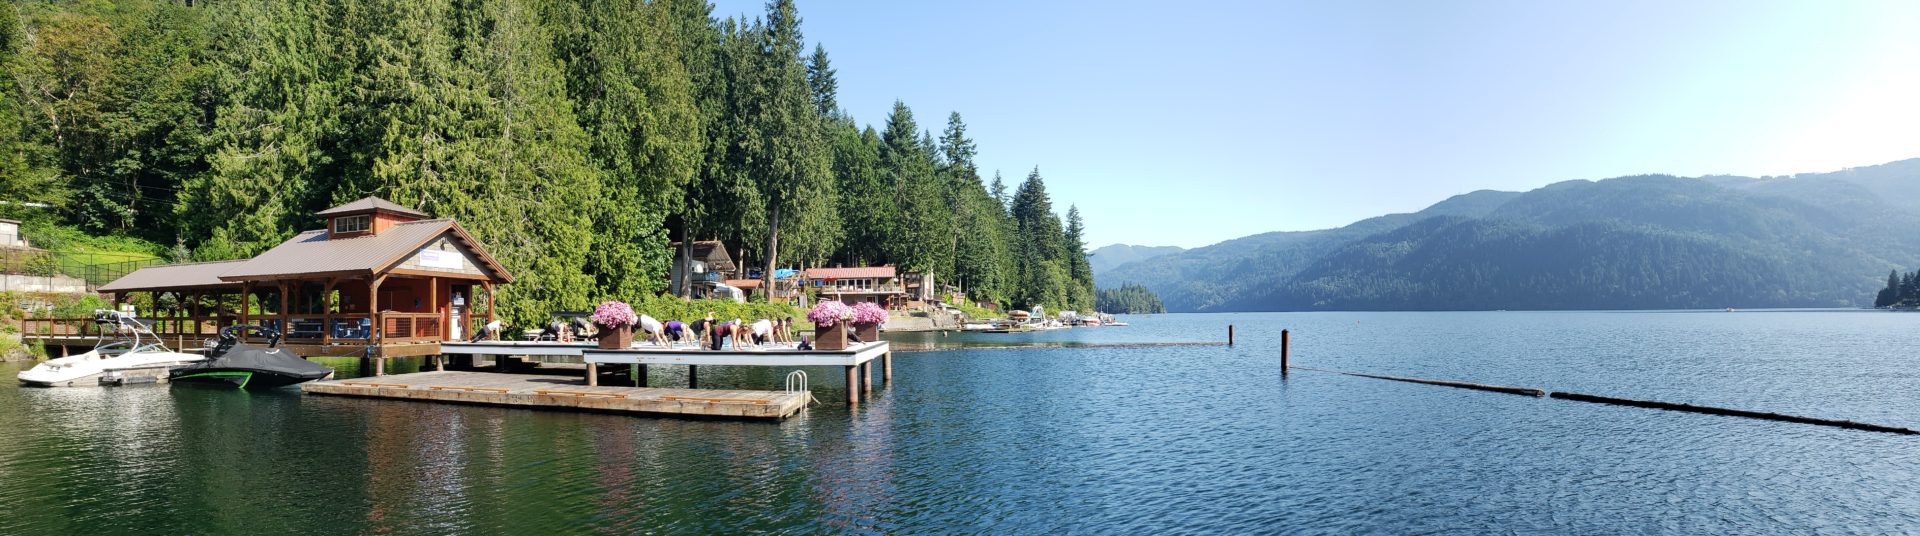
[232,363]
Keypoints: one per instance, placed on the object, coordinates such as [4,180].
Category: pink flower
[829,312]
[614,314]
[868,313]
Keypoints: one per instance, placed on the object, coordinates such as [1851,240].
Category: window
[351,224]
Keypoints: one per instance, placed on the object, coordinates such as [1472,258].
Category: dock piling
[1229,334]
[693,376]
[853,387]
[886,364]
[866,379]
[593,375]
[1283,352]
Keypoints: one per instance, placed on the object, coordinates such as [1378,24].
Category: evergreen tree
[636,103]
[1080,293]
[27,174]
[821,78]
[923,222]
[271,129]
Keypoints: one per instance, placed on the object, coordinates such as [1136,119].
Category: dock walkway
[857,360]
[565,392]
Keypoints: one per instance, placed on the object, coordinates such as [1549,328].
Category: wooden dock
[857,360]
[565,392]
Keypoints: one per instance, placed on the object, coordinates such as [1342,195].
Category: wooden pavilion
[380,280]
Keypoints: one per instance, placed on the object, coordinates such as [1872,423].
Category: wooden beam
[433,300]
[491,303]
[376,324]
[246,291]
[326,310]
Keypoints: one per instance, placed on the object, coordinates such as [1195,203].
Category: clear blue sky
[1185,124]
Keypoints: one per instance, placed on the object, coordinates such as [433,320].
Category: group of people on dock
[715,335]
[706,332]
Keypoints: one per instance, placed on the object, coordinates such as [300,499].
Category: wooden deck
[565,392]
[857,360]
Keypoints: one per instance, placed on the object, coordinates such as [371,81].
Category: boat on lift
[234,363]
[128,352]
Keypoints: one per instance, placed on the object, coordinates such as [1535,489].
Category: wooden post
[693,376]
[593,374]
[1229,334]
[886,361]
[326,311]
[1283,351]
[433,300]
[866,379]
[640,376]
[440,363]
[379,366]
[286,309]
[490,304]
[376,329]
[853,387]
[246,290]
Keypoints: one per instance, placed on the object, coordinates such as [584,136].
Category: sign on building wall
[433,258]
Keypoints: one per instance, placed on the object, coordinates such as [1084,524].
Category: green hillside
[1816,240]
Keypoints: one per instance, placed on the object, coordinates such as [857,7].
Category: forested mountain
[1624,243]
[577,138]
[1112,256]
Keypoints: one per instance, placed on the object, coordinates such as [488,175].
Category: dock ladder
[797,383]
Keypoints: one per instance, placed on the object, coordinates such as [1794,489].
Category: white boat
[133,351]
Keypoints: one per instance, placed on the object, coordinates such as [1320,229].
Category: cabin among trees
[380,280]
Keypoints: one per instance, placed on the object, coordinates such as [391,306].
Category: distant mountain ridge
[1110,257]
[1640,242]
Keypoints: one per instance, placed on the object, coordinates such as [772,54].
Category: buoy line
[1651,404]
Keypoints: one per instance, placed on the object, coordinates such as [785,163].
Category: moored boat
[127,349]
[237,364]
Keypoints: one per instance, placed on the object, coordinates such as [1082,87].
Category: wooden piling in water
[886,364]
[1283,352]
[593,375]
[853,387]
[693,376]
[1229,334]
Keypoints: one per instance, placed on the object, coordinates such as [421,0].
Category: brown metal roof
[175,276]
[712,252]
[311,253]
[880,272]
[369,204]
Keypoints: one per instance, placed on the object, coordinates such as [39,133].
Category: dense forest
[1128,299]
[1641,242]
[1902,291]
[577,138]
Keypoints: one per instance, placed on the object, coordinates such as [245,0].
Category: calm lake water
[1061,440]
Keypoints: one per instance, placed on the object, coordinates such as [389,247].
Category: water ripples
[1058,440]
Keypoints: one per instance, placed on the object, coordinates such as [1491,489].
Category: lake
[1061,439]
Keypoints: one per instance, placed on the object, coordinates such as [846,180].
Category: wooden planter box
[867,332]
[616,338]
[830,338]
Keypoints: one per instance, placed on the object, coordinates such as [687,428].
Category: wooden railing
[411,327]
[397,327]
[165,327]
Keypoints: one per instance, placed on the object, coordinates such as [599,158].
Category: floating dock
[565,392]
[857,360]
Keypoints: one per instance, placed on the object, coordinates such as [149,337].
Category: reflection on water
[1056,439]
